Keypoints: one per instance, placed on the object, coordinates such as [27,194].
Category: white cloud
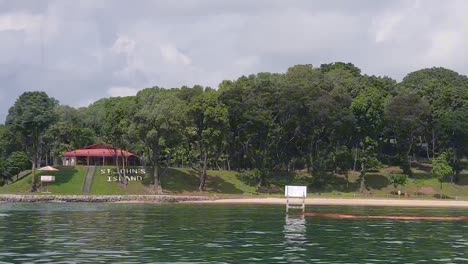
[123,45]
[173,56]
[94,49]
[385,26]
[20,21]
[121,91]
[85,102]
[444,46]
[247,62]
[34,27]
[397,21]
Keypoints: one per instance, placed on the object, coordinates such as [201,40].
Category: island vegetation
[316,125]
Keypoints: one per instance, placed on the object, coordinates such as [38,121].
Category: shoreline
[187,199]
[344,202]
[31,198]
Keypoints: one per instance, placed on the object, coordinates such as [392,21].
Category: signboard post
[295,192]
[46,179]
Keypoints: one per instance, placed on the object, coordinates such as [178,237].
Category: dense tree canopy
[29,119]
[158,126]
[321,120]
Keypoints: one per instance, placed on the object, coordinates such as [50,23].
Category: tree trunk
[117,161]
[363,182]
[457,167]
[216,159]
[355,158]
[157,179]
[228,161]
[124,180]
[117,164]
[347,180]
[362,176]
[311,163]
[33,182]
[441,195]
[427,148]
[156,171]
[433,143]
[201,188]
[406,162]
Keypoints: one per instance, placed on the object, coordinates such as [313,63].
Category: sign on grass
[47,178]
[295,191]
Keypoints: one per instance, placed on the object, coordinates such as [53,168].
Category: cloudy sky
[80,51]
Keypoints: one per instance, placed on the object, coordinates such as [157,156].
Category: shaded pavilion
[100,154]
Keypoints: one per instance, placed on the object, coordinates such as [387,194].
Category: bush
[18,161]
[398,179]
[302,179]
[251,177]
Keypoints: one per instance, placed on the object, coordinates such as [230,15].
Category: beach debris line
[388,217]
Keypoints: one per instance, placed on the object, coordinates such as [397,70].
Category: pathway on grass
[21,175]
[89,180]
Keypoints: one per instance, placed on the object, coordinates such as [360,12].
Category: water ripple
[101,233]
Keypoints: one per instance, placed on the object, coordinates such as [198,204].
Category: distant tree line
[321,119]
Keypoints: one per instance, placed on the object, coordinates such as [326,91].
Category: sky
[82,50]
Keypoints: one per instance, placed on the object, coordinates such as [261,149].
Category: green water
[118,233]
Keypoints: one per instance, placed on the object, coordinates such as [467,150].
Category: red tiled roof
[97,153]
[99,146]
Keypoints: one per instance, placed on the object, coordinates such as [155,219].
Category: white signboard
[47,178]
[295,191]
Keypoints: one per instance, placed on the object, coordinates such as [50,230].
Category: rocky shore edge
[101,198]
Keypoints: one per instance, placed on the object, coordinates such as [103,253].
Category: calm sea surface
[139,233]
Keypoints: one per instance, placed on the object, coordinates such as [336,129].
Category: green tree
[398,179]
[64,136]
[208,119]
[158,124]
[368,160]
[452,131]
[93,116]
[441,169]
[5,175]
[406,118]
[119,113]
[29,118]
[3,140]
[368,110]
[17,162]
[446,91]
[443,89]
[344,78]
[344,162]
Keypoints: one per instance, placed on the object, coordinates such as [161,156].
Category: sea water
[191,233]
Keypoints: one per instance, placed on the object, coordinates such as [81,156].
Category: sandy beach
[348,202]
[192,199]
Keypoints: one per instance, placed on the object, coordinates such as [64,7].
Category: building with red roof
[100,154]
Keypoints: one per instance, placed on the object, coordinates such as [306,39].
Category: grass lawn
[185,181]
[378,183]
[68,180]
[174,181]
[101,185]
